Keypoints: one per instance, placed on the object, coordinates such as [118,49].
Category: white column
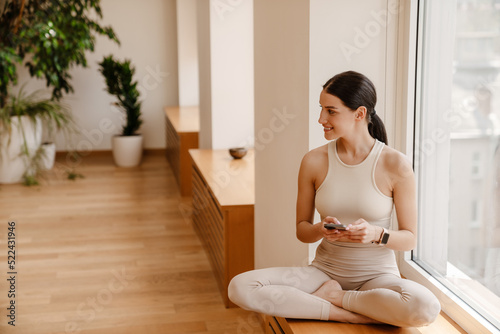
[225,42]
[281,130]
[187,51]
[204,68]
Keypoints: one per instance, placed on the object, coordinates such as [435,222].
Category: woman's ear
[360,113]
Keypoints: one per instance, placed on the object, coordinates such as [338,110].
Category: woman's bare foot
[331,291]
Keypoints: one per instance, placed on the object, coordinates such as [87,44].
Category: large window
[457,153]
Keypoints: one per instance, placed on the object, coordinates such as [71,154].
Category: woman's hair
[356,90]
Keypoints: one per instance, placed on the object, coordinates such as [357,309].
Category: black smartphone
[331,226]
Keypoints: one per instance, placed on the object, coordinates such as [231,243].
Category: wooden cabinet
[182,128]
[223,212]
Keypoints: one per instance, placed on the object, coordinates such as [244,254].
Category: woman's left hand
[363,232]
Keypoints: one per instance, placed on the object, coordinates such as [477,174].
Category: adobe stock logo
[363,36]
[223,7]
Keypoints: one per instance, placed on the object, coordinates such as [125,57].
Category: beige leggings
[286,292]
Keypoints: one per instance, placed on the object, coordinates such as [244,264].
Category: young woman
[358,181]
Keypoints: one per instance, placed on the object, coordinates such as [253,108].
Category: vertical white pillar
[281,131]
[187,50]
[225,42]
[204,68]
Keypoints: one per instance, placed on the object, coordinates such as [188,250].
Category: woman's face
[337,120]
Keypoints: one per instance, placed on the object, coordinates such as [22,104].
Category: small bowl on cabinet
[238,152]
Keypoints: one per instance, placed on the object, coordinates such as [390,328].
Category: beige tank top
[349,192]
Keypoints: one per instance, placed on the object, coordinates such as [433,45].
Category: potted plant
[53,36]
[127,147]
[21,122]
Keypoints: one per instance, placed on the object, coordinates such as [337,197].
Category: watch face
[385,238]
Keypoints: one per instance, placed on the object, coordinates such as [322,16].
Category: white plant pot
[48,156]
[13,163]
[127,150]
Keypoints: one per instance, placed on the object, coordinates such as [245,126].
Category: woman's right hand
[331,235]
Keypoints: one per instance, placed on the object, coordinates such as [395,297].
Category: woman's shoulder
[396,162]
[315,158]
[316,154]
[314,165]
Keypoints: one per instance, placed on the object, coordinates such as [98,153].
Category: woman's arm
[312,172]
[405,202]
[402,184]
[306,230]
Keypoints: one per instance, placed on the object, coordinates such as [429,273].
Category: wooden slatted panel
[224,216]
[209,208]
[208,222]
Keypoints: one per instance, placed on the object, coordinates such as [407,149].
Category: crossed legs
[308,293]
[288,292]
[388,299]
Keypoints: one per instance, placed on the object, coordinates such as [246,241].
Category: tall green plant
[119,82]
[53,35]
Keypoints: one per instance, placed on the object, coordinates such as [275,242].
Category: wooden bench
[182,129]
[223,212]
[277,325]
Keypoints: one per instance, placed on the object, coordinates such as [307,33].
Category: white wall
[225,39]
[147,31]
[342,38]
[187,46]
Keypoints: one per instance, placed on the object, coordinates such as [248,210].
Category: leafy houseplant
[119,83]
[52,36]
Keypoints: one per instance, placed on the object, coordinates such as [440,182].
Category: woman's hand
[332,235]
[363,232]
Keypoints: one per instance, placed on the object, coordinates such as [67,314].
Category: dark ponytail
[376,128]
[356,90]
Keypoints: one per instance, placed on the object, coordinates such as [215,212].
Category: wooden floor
[114,252]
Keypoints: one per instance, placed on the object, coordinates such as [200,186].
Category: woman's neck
[356,147]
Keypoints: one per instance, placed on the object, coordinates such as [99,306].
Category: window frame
[409,58]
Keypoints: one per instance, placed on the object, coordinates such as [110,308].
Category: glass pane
[459,179]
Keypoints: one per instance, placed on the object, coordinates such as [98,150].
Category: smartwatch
[384,237]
